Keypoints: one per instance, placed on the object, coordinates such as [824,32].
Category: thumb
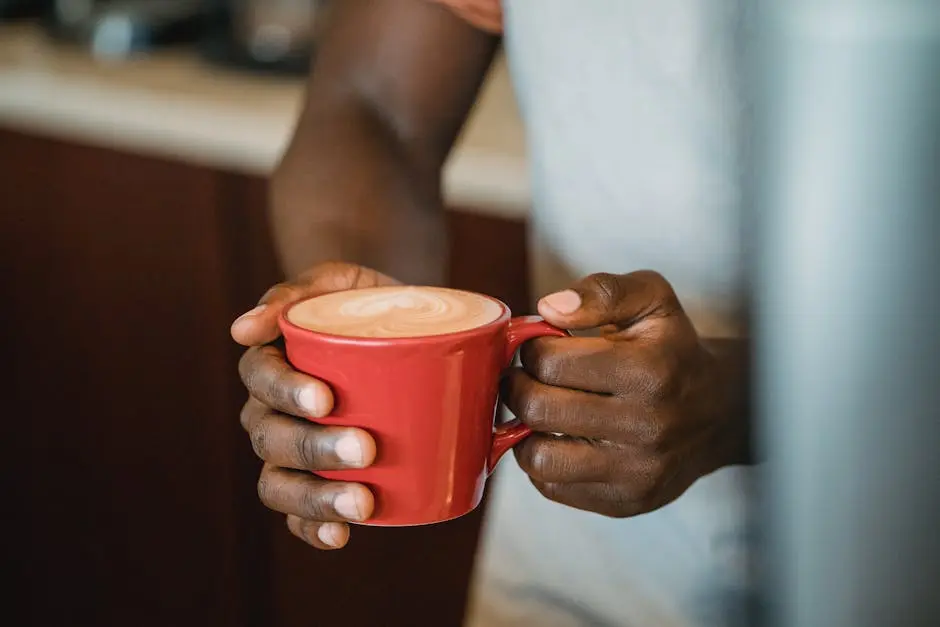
[259,326]
[602,299]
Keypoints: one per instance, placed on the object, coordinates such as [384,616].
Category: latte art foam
[390,312]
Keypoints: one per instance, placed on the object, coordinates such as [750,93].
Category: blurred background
[136,138]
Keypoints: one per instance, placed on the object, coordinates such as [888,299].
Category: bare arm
[360,182]
[391,86]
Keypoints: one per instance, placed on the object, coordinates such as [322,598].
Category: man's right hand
[281,404]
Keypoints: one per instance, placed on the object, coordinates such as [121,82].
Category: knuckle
[616,378]
[655,389]
[258,436]
[246,366]
[654,433]
[661,288]
[551,491]
[622,508]
[652,278]
[645,494]
[307,531]
[308,448]
[246,415]
[657,470]
[660,380]
[272,386]
[542,464]
[548,367]
[532,408]
[606,286]
[256,370]
[279,390]
[621,500]
[312,504]
[651,476]
[647,480]
[264,490]
[271,292]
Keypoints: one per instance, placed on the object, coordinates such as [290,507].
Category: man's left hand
[625,422]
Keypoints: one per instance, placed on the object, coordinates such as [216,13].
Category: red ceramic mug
[429,402]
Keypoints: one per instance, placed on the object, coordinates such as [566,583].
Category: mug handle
[520,330]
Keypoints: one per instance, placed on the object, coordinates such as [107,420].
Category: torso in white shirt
[632,117]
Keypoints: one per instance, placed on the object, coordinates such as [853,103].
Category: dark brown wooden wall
[131,489]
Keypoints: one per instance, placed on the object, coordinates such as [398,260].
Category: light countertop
[175,105]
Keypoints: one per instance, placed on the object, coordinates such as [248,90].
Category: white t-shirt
[632,116]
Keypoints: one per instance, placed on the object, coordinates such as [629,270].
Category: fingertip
[368,447]
[563,303]
[354,502]
[328,536]
[333,535]
[315,399]
[241,332]
[356,448]
[365,501]
[255,327]
[546,311]
[295,524]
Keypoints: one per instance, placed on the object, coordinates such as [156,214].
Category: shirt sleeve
[486,15]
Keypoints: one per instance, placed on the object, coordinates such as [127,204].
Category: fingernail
[309,399]
[349,450]
[330,534]
[564,302]
[347,505]
[251,314]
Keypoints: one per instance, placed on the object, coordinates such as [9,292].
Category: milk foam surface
[393,312]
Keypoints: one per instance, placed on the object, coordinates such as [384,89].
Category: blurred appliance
[15,9]
[117,28]
[846,205]
[277,36]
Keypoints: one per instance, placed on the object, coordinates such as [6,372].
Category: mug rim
[504,317]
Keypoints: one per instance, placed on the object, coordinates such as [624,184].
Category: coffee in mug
[395,311]
[418,368]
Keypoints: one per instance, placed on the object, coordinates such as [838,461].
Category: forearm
[391,86]
[347,190]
